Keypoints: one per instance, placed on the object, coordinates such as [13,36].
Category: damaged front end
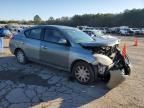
[114,62]
[110,64]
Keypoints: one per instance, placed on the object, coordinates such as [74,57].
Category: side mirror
[62,41]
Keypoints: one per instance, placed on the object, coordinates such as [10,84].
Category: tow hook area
[116,78]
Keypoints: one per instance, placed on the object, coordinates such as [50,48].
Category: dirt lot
[38,86]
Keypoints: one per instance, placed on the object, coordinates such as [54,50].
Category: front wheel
[83,72]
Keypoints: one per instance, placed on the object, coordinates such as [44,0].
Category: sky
[27,9]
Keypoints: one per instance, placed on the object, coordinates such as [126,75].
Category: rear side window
[34,33]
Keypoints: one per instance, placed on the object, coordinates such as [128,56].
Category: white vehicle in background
[18,30]
[124,32]
[102,29]
[85,28]
[99,36]
[124,27]
[114,30]
[142,31]
[134,31]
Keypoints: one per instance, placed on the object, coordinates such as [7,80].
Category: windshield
[98,33]
[78,36]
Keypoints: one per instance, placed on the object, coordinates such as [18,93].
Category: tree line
[132,18]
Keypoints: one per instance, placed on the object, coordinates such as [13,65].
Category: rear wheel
[21,58]
[83,72]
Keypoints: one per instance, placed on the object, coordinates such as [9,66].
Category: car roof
[54,26]
[91,30]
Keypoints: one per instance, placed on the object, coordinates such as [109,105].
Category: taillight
[11,37]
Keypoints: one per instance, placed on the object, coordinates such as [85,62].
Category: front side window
[52,35]
[34,33]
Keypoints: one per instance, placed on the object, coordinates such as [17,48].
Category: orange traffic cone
[135,42]
[124,51]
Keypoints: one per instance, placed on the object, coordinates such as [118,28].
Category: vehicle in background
[18,30]
[103,29]
[142,31]
[85,28]
[124,32]
[81,27]
[89,28]
[134,31]
[99,36]
[5,32]
[114,30]
[11,27]
[15,28]
[124,27]
[108,30]
[70,49]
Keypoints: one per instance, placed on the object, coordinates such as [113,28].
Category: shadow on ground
[68,93]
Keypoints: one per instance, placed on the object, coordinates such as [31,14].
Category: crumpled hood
[103,43]
[107,39]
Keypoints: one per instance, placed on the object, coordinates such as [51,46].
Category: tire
[127,68]
[83,72]
[21,58]
[107,76]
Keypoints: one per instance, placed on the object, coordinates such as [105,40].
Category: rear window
[34,33]
[27,33]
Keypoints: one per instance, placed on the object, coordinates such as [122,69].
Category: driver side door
[52,51]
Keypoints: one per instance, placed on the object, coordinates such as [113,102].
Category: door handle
[44,47]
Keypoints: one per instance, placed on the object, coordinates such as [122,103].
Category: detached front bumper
[118,75]
[115,70]
[116,78]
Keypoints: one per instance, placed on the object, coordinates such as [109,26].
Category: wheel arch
[17,50]
[78,60]
[94,73]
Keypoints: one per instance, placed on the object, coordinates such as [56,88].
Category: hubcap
[20,57]
[82,73]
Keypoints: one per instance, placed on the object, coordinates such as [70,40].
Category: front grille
[108,50]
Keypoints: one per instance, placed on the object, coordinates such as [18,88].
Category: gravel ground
[39,86]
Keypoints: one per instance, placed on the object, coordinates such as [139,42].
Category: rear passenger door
[32,43]
[52,51]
